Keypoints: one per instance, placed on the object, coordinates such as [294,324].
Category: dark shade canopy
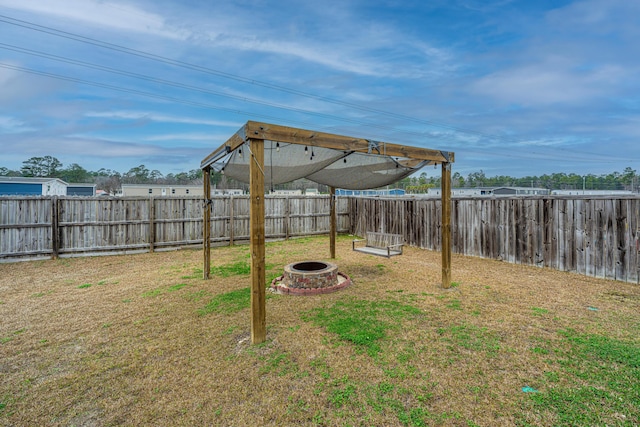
[334,160]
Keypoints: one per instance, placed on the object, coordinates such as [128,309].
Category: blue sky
[512,87]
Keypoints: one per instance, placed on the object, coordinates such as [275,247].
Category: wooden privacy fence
[35,227]
[593,236]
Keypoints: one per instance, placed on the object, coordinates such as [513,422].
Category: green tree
[8,172]
[629,178]
[155,175]
[106,173]
[476,179]
[137,175]
[457,180]
[46,166]
[75,173]
[195,174]
[423,179]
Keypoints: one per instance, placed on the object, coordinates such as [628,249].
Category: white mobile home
[20,186]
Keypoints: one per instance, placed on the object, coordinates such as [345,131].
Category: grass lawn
[143,340]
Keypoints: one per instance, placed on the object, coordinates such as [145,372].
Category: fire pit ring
[310,278]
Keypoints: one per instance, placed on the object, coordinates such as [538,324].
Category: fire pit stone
[310,278]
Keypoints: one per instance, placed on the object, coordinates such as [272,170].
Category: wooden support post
[206,225]
[446,225]
[256,185]
[332,222]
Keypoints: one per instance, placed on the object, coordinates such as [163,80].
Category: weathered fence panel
[36,227]
[594,236]
[25,226]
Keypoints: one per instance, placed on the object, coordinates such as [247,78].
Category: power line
[279,119]
[195,88]
[138,92]
[206,70]
[210,71]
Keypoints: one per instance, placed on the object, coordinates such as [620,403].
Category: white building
[157,190]
[491,191]
[162,190]
[592,192]
[19,186]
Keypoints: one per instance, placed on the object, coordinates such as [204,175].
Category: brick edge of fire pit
[280,288]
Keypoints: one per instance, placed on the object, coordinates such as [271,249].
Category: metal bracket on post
[373,145]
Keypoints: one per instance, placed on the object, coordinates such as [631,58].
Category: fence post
[287,218]
[232,225]
[152,224]
[55,228]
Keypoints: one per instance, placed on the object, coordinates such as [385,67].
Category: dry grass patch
[143,340]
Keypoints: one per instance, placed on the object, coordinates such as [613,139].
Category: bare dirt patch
[128,340]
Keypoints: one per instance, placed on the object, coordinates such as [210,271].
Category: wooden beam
[206,223]
[340,142]
[446,225]
[332,222]
[236,140]
[285,134]
[256,185]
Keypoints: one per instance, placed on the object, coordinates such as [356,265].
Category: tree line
[111,180]
[628,180]
[105,179]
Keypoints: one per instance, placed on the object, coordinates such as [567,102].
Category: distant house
[226,192]
[81,190]
[520,191]
[492,191]
[19,186]
[287,192]
[385,192]
[157,190]
[592,192]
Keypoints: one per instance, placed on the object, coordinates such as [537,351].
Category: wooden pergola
[254,134]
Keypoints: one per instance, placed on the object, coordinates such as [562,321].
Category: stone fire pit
[310,278]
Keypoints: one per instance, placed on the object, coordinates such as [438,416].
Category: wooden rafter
[289,135]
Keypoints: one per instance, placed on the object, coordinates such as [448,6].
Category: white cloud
[158,117]
[12,125]
[597,16]
[108,14]
[372,48]
[548,83]
[85,149]
[209,139]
